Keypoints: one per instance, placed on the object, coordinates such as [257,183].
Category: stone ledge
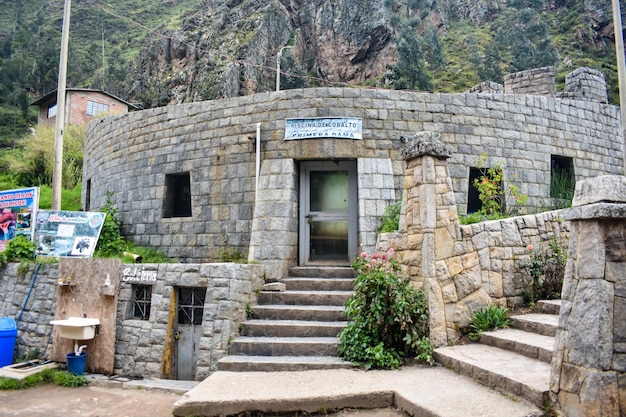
[596,211]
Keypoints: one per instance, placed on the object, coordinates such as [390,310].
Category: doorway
[190,308]
[328,213]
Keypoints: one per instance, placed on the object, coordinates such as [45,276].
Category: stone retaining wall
[214,141]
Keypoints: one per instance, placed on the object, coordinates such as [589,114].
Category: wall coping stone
[604,188]
[596,211]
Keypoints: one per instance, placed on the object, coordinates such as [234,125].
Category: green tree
[410,71]
[527,38]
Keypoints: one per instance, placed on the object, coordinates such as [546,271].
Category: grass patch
[47,376]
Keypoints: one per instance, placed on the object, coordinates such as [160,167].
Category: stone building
[276,178]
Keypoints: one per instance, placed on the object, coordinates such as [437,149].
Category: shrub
[494,193]
[490,317]
[110,242]
[389,317]
[547,270]
[20,248]
[390,220]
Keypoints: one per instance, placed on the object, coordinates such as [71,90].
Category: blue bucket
[76,364]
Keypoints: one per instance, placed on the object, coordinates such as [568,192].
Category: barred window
[191,305]
[142,299]
[94,108]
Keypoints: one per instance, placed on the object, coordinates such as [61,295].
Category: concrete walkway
[418,390]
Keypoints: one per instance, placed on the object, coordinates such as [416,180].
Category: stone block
[599,394]
[592,249]
[590,325]
[604,188]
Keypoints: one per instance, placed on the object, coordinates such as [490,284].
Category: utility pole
[280,54]
[57,172]
[621,72]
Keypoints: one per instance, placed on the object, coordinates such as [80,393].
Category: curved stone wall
[214,141]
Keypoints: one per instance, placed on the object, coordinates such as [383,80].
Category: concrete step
[322,272]
[499,369]
[544,324]
[549,306]
[318,284]
[292,328]
[281,363]
[284,346]
[292,312]
[531,345]
[328,298]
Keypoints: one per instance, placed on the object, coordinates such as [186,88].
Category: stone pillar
[588,375]
[431,228]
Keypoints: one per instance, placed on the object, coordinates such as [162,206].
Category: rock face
[229,48]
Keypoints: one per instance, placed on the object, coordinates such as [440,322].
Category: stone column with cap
[589,364]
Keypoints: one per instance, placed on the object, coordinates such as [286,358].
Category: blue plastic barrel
[8,334]
[76,364]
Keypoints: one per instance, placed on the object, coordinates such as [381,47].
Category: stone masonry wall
[461,268]
[585,84]
[534,81]
[214,141]
[143,348]
[588,375]
[32,312]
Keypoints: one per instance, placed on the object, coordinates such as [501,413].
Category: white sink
[77,328]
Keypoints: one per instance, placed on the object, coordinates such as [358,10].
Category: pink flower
[529,247]
[375,256]
[383,256]
[364,255]
[368,266]
[390,251]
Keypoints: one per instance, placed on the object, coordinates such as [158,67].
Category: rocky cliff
[229,48]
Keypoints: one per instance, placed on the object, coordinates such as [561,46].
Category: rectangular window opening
[562,179]
[177,202]
[474,203]
[191,305]
[142,300]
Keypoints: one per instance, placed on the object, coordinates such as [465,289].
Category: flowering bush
[389,317]
[547,269]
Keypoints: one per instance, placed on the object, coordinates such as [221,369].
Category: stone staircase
[295,329]
[514,360]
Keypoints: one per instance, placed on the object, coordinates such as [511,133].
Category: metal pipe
[621,73]
[280,54]
[258,158]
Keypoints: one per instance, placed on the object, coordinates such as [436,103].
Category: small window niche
[562,181]
[142,300]
[177,202]
[474,204]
